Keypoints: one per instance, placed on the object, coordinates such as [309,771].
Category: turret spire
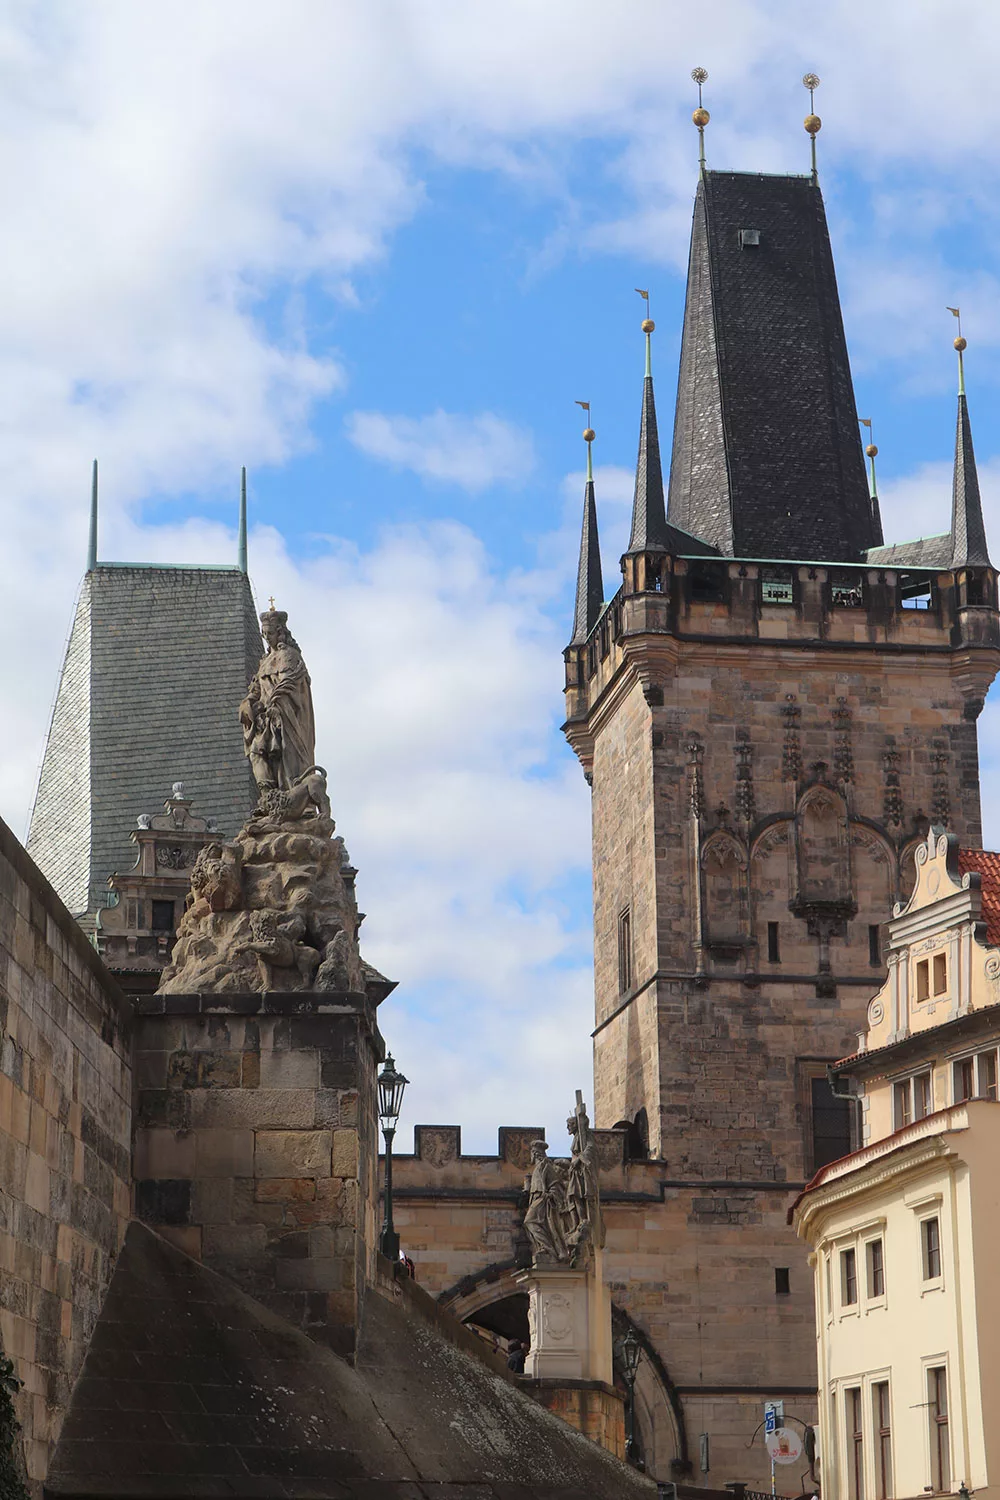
[589,580]
[968,530]
[241,546]
[649,516]
[92,544]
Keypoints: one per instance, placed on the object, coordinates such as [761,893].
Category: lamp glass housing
[391,1085]
[631,1352]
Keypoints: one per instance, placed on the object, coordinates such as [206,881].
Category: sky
[375,251]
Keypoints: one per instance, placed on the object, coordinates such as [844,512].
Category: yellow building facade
[905,1231]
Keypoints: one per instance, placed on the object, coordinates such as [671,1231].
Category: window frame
[875,1268]
[990,1091]
[963,1079]
[882,1438]
[849,1277]
[939,1449]
[625,966]
[854,1432]
[930,1248]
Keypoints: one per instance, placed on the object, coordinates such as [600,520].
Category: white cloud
[919,504]
[472,452]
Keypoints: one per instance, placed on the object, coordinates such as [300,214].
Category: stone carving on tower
[274,908]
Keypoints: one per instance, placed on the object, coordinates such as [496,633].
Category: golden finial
[961,345]
[871,453]
[588,437]
[647,327]
[812,121]
[701,115]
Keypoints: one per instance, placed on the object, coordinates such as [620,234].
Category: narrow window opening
[937,1414]
[883,1439]
[848,1277]
[931,1233]
[875,945]
[773,944]
[782,1284]
[940,974]
[876,1269]
[921,1096]
[923,980]
[902,1103]
[855,1444]
[625,951]
[987,1065]
[831,1124]
[163,916]
[964,1079]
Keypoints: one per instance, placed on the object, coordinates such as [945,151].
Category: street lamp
[630,1351]
[390,1100]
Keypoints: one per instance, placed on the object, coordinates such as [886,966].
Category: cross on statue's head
[271,601]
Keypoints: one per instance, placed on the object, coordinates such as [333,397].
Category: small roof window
[749,237]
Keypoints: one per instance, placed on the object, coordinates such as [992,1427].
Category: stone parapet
[595,1409]
[255,1148]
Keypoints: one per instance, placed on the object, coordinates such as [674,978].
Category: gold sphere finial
[648,325]
[871,450]
[813,124]
[701,117]
[589,434]
[961,344]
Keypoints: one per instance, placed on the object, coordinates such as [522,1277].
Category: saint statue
[543,1221]
[279,730]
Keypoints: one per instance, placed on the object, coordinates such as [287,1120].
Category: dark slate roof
[923,552]
[589,582]
[767,458]
[967,526]
[649,517]
[191,1388]
[157,663]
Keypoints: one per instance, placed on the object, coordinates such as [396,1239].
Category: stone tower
[156,658]
[769,711]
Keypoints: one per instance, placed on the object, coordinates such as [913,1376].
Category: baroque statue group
[563,1217]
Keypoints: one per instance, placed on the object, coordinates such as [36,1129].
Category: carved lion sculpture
[308,792]
[217,877]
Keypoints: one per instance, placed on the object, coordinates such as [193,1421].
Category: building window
[855,1444]
[875,945]
[986,1068]
[930,1233]
[937,1415]
[773,947]
[163,916]
[924,979]
[625,951]
[829,1286]
[831,1124]
[921,1096]
[876,1269]
[782,1281]
[848,1277]
[883,1439]
[964,1073]
[940,974]
[902,1103]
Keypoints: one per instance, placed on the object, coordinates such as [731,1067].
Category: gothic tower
[769,711]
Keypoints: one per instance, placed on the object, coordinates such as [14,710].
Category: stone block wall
[256,1145]
[65,1139]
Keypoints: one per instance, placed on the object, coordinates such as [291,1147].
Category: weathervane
[588,437]
[961,345]
[812,121]
[647,324]
[701,115]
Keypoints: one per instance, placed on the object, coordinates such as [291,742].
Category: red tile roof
[987,863]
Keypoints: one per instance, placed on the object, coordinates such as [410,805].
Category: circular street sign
[784,1445]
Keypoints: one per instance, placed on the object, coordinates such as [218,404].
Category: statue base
[569,1317]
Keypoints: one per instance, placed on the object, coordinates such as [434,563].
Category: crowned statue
[279,729]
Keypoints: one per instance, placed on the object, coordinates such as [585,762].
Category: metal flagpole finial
[812,121]
[961,345]
[647,327]
[588,437]
[701,115]
[871,452]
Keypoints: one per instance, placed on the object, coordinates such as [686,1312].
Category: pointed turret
[968,531]
[649,514]
[589,581]
[241,546]
[92,543]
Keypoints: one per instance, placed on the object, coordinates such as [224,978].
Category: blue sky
[376,252]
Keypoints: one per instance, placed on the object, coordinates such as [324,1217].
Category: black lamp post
[630,1351]
[390,1099]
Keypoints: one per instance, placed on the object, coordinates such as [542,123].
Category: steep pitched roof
[987,864]
[191,1388]
[589,581]
[968,529]
[767,458]
[157,663]
[922,552]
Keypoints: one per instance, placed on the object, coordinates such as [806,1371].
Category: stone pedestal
[569,1317]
